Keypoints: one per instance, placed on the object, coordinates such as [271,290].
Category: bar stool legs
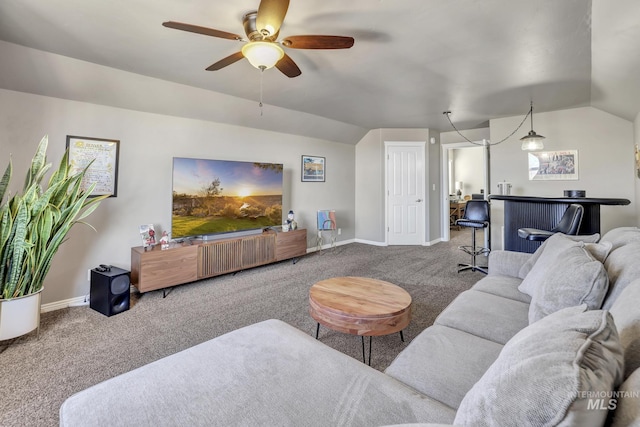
[474,251]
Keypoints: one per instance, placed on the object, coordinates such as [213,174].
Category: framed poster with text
[104,169]
[553,165]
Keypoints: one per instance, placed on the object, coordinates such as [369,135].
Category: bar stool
[476,215]
[569,224]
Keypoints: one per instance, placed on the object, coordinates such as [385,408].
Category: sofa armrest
[507,263]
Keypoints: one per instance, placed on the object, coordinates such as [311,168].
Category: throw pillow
[574,278]
[550,251]
[599,251]
[527,266]
[546,374]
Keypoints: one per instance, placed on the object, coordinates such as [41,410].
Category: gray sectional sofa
[551,338]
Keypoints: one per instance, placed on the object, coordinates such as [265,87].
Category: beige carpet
[79,347]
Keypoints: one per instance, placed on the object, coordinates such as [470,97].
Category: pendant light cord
[448,114]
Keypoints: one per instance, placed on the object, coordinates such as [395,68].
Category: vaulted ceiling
[412,59]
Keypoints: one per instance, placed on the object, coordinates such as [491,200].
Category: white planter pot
[19,316]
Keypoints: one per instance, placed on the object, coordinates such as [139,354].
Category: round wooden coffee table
[360,306]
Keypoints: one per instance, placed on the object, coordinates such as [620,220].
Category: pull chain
[261,78]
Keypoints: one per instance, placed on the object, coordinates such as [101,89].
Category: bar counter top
[578,200]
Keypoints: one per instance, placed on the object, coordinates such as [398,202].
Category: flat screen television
[224,196]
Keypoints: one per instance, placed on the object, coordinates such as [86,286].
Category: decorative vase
[19,316]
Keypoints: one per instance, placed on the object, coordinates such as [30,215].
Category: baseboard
[71,302]
[371,242]
[328,246]
[433,242]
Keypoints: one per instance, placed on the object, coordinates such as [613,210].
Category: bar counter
[545,213]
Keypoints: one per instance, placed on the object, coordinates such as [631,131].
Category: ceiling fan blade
[318,42]
[288,67]
[201,30]
[271,13]
[226,61]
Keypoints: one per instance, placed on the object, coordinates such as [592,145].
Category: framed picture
[326,220]
[553,165]
[313,169]
[148,235]
[104,169]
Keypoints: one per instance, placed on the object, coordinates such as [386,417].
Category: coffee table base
[364,360]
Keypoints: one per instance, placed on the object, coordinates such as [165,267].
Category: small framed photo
[313,168]
[104,169]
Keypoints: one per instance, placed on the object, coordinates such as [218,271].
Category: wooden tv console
[157,269]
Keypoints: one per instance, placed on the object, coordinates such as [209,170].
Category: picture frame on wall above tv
[313,168]
[224,196]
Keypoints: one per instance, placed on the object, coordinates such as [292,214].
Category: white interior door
[405,194]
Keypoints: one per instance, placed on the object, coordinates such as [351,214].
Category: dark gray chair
[476,215]
[569,224]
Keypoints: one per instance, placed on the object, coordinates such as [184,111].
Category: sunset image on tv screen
[221,196]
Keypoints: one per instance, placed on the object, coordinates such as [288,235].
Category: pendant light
[532,141]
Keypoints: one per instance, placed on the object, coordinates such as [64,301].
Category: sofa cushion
[621,236]
[502,286]
[574,278]
[485,315]
[623,267]
[626,313]
[627,413]
[550,251]
[507,263]
[545,372]
[268,373]
[528,265]
[439,364]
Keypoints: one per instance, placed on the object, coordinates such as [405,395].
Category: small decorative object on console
[164,241]
[291,223]
[148,234]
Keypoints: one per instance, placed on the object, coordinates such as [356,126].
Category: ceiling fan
[262,48]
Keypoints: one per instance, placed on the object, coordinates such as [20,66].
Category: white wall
[468,167]
[148,142]
[606,162]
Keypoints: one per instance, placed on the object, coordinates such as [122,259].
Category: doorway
[405,198]
[450,181]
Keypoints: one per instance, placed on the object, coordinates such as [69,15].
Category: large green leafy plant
[34,224]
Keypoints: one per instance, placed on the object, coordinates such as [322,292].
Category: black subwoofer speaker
[109,290]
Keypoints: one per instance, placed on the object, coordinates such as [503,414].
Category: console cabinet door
[157,269]
[291,244]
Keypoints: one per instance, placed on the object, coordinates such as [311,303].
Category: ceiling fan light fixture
[262,55]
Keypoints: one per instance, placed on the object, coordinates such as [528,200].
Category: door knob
[419,200]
